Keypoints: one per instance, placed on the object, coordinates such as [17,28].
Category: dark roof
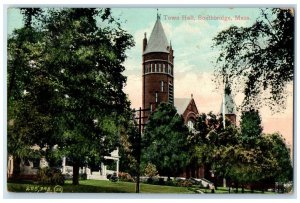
[229,105]
[158,41]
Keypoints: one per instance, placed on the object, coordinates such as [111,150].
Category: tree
[128,149]
[32,111]
[251,127]
[277,159]
[164,142]
[77,88]
[262,55]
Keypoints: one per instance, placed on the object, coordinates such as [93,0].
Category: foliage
[261,55]
[125,177]
[50,176]
[65,83]
[242,155]
[250,127]
[184,183]
[150,170]
[165,140]
[128,148]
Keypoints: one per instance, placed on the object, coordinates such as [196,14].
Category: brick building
[158,85]
[158,76]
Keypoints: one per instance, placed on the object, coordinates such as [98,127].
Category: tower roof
[229,104]
[158,41]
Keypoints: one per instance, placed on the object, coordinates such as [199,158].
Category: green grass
[97,186]
[224,190]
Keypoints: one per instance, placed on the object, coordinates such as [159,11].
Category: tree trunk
[236,187]
[75,174]
[243,189]
[16,166]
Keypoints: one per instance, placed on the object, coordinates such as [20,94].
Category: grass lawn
[96,186]
[224,190]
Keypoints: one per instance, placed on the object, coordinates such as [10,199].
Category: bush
[50,176]
[126,177]
[184,183]
[151,170]
[83,176]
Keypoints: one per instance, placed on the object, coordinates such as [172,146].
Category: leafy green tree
[128,149]
[251,127]
[72,74]
[276,162]
[262,55]
[32,111]
[165,141]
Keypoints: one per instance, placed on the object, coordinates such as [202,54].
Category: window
[164,68]
[156,97]
[159,66]
[162,86]
[155,70]
[151,68]
[151,107]
[190,124]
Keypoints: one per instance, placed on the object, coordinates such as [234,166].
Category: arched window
[190,124]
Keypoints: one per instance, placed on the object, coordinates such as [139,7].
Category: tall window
[156,97]
[155,65]
[190,125]
[151,107]
[162,86]
[164,68]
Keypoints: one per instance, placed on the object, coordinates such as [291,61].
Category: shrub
[125,177]
[150,170]
[83,176]
[184,183]
[50,176]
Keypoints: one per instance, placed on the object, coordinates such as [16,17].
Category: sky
[190,31]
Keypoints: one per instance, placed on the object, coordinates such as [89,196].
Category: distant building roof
[158,41]
[181,104]
[229,105]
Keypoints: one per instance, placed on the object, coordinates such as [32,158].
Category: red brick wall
[152,80]
[232,118]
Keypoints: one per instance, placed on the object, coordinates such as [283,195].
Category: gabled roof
[181,104]
[158,41]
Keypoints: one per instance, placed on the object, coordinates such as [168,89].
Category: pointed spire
[228,104]
[158,41]
[158,15]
